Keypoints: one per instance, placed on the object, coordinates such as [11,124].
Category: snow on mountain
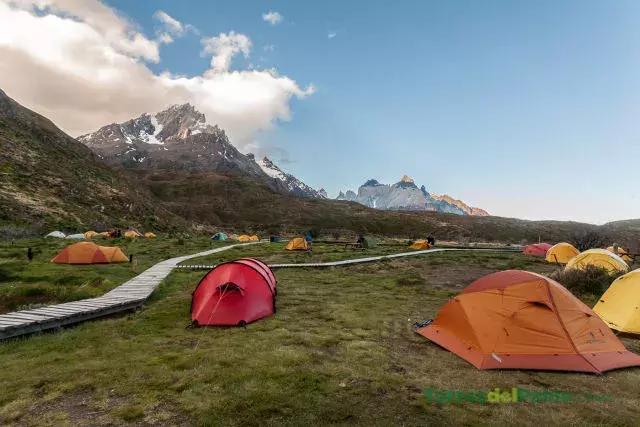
[293,184]
[405,195]
[180,138]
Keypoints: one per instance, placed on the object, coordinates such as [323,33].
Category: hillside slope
[50,179]
[243,205]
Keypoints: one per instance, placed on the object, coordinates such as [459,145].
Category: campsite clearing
[339,349]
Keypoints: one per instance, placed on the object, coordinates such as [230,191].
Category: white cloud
[83,65]
[273,18]
[331,34]
[269,48]
[172,25]
[224,47]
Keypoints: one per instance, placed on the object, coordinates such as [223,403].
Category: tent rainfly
[618,306]
[598,258]
[561,253]
[219,236]
[234,294]
[420,245]
[537,249]
[56,234]
[297,244]
[78,236]
[622,253]
[520,320]
[89,253]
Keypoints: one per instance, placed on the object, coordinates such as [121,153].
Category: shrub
[590,280]
[590,240]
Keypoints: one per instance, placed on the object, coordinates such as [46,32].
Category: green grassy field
[25,284]
[339,350]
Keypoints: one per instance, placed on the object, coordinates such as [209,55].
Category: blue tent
[219,236]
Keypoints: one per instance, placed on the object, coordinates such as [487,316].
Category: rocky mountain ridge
[405,195]
[179,138]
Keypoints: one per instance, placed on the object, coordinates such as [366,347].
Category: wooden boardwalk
[128,296]
[361,260]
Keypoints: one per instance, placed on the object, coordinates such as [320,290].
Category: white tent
[75,236]
[58,234]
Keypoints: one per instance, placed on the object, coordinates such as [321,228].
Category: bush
[590,240]
[590,280]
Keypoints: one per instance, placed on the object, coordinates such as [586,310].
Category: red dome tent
[234,293]
[537,249]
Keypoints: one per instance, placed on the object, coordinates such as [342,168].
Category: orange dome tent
[90,234]
[150,235]
[132,234]
[519,320]
[420,244]
[244,238]
[297,244]
[89,253]
[254,238]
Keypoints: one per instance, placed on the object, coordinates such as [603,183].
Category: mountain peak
[371,183]
[290,183]
[407,179]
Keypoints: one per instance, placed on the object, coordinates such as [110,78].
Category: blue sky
[526,109]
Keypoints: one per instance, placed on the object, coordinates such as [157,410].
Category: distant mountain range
[179,138]
[405,195]
[49,180]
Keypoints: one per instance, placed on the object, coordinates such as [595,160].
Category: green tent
[219,236]
[369,242]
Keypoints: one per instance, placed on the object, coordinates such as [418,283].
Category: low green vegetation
[340,349]
[25,284]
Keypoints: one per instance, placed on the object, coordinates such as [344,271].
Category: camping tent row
[131,234]
[247,238]
[565,253]
[520,320]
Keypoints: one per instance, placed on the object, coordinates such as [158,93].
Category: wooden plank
[10,322]
[23,317]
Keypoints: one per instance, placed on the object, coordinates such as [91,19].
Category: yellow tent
[132,234]
[598,258]
[244,238]
[90,234]
[420,244]
[561,253]
[297,244]
[621,253]
[618,306]
[149,235]
[254,238]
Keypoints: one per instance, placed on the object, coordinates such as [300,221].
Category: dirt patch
[74,406]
